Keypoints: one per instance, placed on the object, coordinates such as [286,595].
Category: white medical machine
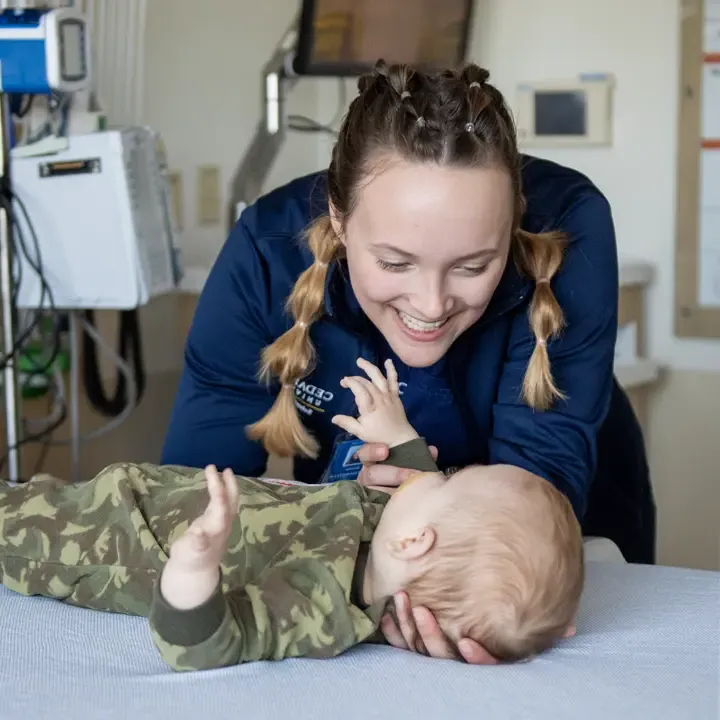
[566,113]
[102,215]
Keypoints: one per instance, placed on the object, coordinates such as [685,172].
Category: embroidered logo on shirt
[311,398]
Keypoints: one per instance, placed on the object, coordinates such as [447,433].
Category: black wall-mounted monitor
[347,37]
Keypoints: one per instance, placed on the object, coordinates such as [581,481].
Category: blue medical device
[43,51]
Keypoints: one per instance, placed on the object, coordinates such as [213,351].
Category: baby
[494,551]
[273,570]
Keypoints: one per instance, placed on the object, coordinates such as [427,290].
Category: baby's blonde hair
[507,568]
[453,118]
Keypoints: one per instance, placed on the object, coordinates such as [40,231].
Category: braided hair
[452,118]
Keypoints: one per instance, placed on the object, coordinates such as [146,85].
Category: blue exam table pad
[648,646]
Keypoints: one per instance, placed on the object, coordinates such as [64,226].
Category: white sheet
[648,646]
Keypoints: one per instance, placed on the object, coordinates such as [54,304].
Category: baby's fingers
[348,424]
[392,377]
[231,490]
[362,389]
[214,519]
[374,374]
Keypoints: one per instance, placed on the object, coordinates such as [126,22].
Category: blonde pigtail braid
[292,355]
[540,256]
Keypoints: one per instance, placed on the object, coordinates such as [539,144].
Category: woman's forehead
[410,205]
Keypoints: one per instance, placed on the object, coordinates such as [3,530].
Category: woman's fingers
[372,453]
[475,654]
[383,476]
[430,634]
[392,633]
[406,622]
[418,630]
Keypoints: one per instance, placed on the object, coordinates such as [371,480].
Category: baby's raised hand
[382,416]
[203,544]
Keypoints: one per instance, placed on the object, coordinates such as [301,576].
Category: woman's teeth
[419,325]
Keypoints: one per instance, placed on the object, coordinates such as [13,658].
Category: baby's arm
[382,418]
[190,620]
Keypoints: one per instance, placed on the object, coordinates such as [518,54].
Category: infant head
[494,552]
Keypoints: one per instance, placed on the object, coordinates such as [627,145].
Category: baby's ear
[413,546]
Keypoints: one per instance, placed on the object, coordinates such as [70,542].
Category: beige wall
[202,92]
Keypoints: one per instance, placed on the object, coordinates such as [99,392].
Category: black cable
[18,238]
[6,196]
[302,123]
[45,435]
[37,267]
[22,111]
[129,340]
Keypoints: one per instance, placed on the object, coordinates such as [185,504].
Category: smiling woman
[448,233]
[432,242]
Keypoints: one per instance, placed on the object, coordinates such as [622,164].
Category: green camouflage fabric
[287,585]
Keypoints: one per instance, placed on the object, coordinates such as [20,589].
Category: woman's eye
[393,267]
[474,270]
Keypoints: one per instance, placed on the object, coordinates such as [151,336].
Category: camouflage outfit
[291,577]
[287,578]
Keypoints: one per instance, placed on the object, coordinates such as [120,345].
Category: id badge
[343,466]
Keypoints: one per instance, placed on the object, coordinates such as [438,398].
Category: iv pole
[278,78]
[7,293]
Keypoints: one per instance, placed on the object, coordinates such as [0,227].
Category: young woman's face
[426,248]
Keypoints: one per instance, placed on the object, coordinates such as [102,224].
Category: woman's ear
[335,223]
[413,546]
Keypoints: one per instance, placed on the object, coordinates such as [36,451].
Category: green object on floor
[32,384]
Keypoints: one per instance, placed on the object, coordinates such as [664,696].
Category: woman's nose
[431,302]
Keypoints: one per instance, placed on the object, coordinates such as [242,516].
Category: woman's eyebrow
[479,254]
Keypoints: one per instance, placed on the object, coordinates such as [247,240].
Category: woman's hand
[418,631]
[382,477]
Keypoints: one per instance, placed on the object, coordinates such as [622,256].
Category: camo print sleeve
[299,606]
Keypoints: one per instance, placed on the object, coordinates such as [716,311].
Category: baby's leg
[100,544]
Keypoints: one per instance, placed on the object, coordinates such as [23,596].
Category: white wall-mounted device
[566,113]
[101,212]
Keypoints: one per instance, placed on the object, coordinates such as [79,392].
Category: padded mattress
[648,646]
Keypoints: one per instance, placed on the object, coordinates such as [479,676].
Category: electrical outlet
[208,194]
[176,198]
